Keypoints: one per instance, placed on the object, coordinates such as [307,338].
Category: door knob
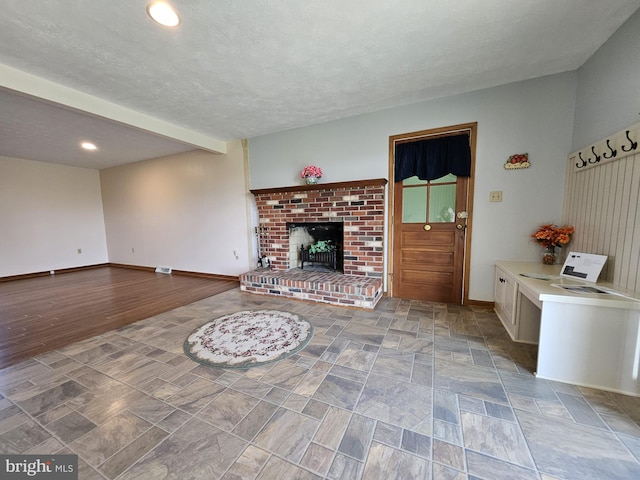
[427,227]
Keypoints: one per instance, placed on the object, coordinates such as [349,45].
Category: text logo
[46,467]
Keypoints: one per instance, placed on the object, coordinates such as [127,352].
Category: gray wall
[535,117]
[608,95]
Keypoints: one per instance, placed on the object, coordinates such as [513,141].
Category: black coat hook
[613,152]
[633,146]
[597,159]
[584,162]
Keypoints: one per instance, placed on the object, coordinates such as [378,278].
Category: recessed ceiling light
[88,146]
[163,13]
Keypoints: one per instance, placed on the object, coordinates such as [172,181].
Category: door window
[425,201]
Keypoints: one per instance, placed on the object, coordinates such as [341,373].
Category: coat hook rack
[613,152]
[633,145]
[584,162]
[619,145]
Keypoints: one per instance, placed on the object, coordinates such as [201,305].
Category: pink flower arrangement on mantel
[311,171]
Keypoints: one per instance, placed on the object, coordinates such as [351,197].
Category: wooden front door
[430,220]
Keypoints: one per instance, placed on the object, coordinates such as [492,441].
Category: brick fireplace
[358,205]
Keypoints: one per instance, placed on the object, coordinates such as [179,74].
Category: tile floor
[411,391]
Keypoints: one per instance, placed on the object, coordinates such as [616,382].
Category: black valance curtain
[433,158]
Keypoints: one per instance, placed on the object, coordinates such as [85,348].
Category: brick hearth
[359,205]
[326,287]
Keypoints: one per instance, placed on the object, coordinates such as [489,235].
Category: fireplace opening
[316,246]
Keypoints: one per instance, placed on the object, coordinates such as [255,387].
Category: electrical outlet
[495,196]
[133,250]
[79,250]
[235,254]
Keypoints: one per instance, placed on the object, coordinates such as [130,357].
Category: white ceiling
[37,130]
[244,68]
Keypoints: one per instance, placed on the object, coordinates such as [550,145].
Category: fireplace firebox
[316,245]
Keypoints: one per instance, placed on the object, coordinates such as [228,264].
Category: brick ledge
[317,286]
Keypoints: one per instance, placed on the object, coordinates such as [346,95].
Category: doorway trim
[472,128]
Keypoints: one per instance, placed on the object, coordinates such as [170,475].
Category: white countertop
[546,290]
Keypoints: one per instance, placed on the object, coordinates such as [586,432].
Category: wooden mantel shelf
[374,182]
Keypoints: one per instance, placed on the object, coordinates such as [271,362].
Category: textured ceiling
[251,67]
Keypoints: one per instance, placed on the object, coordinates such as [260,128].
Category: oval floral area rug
[249,338]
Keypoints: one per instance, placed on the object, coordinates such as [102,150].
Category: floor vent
[161,269]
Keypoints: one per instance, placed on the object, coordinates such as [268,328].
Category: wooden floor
[41,314]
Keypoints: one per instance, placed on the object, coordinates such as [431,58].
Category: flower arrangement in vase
[311,174]
[550,236]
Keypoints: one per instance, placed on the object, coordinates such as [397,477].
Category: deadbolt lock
[459,226]
[427,227]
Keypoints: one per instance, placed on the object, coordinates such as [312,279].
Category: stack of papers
[540,276]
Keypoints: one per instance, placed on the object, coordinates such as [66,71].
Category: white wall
[47,213]
[534,116]
[186,211]
[608,95]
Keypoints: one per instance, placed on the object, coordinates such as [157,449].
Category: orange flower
[550,235]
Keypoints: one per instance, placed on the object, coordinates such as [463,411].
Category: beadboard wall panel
[602,203]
